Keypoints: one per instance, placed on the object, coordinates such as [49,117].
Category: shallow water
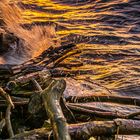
[106,31]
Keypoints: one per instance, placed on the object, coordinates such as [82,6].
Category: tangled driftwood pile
[33,106]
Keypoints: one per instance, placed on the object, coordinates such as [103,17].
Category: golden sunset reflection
[95,26]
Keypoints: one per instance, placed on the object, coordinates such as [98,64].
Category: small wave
[31,42]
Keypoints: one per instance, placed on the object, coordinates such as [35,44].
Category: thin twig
[2,124]
[8,121]
[8,111]
[7,97]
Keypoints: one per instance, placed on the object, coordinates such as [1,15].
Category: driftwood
[105,98]
[105,110]
[51,98]
[86,130]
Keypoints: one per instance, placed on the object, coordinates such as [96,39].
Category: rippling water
[106,31]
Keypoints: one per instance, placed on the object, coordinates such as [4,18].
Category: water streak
[106,32]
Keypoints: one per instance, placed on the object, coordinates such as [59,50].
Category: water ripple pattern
[106,31]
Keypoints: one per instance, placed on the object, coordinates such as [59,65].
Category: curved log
[51,98]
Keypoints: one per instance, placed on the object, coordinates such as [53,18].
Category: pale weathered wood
[51,98]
